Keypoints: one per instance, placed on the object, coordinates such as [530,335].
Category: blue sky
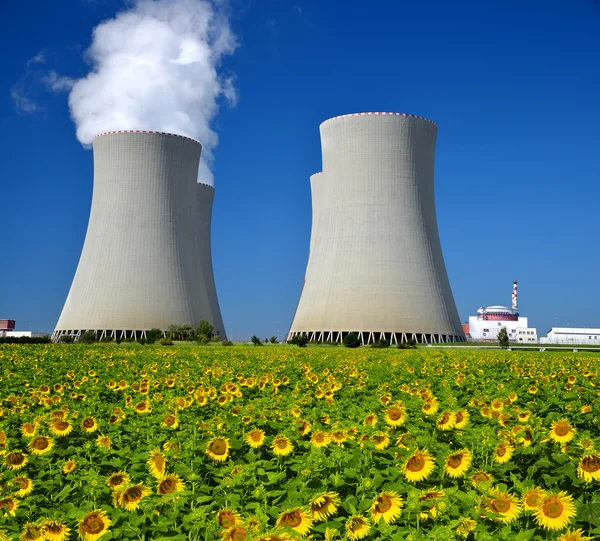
[513,86]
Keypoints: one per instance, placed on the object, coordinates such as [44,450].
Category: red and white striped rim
[379,113]
[148,131]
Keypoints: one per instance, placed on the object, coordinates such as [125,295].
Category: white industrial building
[571,335]
[485,326]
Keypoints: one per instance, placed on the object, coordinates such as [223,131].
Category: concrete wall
[141,266]
[376,263]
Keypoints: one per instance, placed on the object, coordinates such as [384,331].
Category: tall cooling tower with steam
[375,265]
[146,261]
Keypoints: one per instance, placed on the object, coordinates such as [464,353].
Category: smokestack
[514,296]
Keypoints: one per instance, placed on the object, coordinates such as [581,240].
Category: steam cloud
[154,67]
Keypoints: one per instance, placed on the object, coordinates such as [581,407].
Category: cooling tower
[375,265]
[146,261]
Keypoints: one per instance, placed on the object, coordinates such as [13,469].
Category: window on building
[484,334]
[486,330]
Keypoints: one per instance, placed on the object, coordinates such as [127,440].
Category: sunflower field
[272,444]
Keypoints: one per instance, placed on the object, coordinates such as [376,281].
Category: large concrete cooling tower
[146,261]
[375,265]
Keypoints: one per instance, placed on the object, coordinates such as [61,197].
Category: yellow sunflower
[461,419]
[15,460]
[60,427]
[89,425]
[170,484]
[255,438]
[504,505]
[228,518]
[281,445]
[575,535]
[504,452]
[235,533]
[430,407]
[103,441]
[555,511]
[357,527]
[562,431]
[370,420]
[458,463]
[55,530]
[319,439]
[118,480]
[324,505]
[395,415]
[32,532]
[94,525]
[218,449]
[480,479]
[24,486]
[40,445]
[157,463]
[9,505]
[170,421]
[532,498]
[446,421]
[28,430]
[589,467]
[387,505]
[381,440]
[418,466]
[297,519]
[303,427]
[129,498]
[143,407]
[69,466]
[465,526]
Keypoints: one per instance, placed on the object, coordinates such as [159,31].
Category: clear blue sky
[514,87]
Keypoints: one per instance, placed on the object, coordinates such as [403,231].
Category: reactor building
[146,261]
[375,264]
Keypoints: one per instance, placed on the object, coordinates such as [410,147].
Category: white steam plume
[154,67]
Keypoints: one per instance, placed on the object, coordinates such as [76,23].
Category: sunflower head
[129,498]
[395,415]
[418,466]
[481,479]
[465,526]
[94,525]
[281,445]
[458,463]
[298,519]
[40,445]
[89,425]
[117,480]
[170,484]
[32,532]
[446,421]
[15,460]
[157,463]
[69,466]
[319,439]
[228,518]
[23,486]
[357,527]
[9,505]
[555,511]
[218,449]
[55,530]
[532,498]
[324,505]
[255,438]
[562,431]
[589,467]
[503,506]
[387,506]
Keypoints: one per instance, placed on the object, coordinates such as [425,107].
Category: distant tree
[166,341]
[503,338]
[301,340]
[381,343]
[205,328]
[88,337]
[153,335]
[66,339]
[273,340]
[227,343]
[256,340]
[351,340]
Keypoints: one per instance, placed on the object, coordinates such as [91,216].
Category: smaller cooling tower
[146,261]
[375,265]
